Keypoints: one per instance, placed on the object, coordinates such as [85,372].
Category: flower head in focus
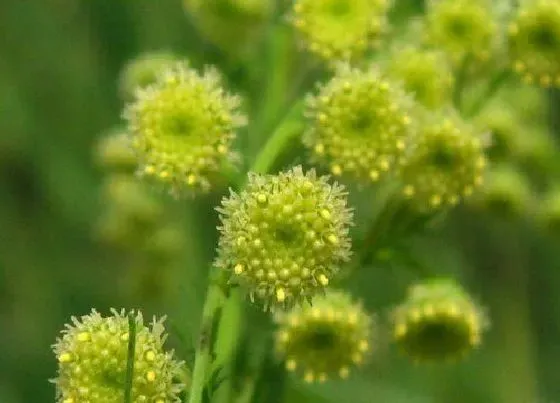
[92,359]
[284,237]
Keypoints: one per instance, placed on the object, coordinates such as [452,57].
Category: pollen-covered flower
[340,29]
[182,128]
[506,192]
[230,24]
[438,321]
[143,71]
[114,152]
[425,73]
[534,42]
[462,28]
[92,361]
[359,124]
[445,164]
[284,236]
[324,340]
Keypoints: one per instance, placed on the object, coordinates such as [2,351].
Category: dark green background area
[59,63]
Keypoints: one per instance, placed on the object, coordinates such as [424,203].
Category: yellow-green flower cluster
[143,71]
[92,360]
[182,128]
[426,73]
[462,28]
[230,24]
[534,42]
[324,340]
[340,29]
[445,163]
[438,321]
[284,236]
[359,124]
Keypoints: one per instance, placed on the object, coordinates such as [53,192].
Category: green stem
[130,357]
[286,131]
[460,82]
[203,356]
[216,301]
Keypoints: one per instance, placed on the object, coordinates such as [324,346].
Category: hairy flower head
[445,164]
[284,236]
[425,73]
[92,360]
[324,340]
[534,42]
[340,29]
[182,128]
[358,124]
[438,321]
[143,71]
[462,28]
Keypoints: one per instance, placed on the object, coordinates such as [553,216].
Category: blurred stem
[460,82]
[217,304]
[279,47]
[493,87]
[130,357]
[290,127]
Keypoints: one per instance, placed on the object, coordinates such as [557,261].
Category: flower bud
[325,340]
[446,163]
[92,361]
[142,71]
[340,29]
[284,237]
[534,42]
[425,73]
[114,152]
[359,124]
[182,128]
[437,321]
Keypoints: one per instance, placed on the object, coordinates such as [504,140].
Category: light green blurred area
[59,63]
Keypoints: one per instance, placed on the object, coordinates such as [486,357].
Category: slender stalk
[130,357]
[215,299]
[460,82]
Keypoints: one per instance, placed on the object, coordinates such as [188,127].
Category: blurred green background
[59,64]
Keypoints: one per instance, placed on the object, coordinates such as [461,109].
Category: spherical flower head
[534,42]
[340,29]
[182,128]
[506,192]
[230,24]
[114,152]
[143,71]
[425,73]
[359,124]
[284,236]
[438,321]
[324,340]
[462,28]
[92,360]
[445,164]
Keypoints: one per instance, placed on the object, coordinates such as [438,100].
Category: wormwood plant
[395,104]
